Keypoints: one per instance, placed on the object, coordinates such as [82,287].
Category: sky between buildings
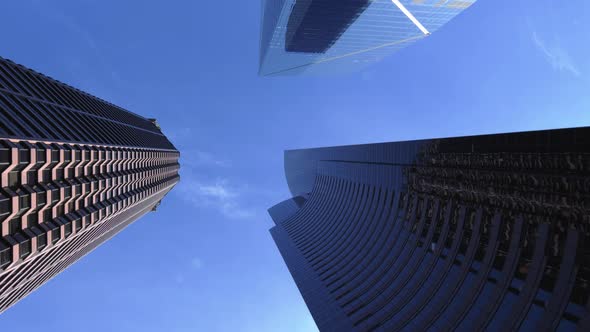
[205,260]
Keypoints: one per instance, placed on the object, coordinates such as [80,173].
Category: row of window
[91,160]
[66,195]
[25,118]
[368,255]
[19,79]
[82,217]
[34,273]
[103,174]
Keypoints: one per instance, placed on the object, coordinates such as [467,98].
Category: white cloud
[219,195]
[556,55]
[191,156]
[179,279]
[180,134]
[197,158]
[199,189]
[218,190]
[196,263]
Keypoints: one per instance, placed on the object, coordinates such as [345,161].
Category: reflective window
[25,248]
[296,37]
[5,256]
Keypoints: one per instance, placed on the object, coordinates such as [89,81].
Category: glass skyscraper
[474,233]
[74,171]
[324,36]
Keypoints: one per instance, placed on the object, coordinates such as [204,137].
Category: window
[47,175]
[55,235]
[54,156]
[32,177]
[67,156]
[60,210]
[40,156]
[5,155]
[25,248]
[33,220]
[68,229]
[25,156]
[5,257]
[14,225]
[5,206]
[41,198]
[60,173]
[55,196]
[13,179]
[25,202]
[41,241]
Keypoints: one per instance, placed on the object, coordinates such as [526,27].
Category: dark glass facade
[315,25]
[74,171]
[475,233]
[335,36]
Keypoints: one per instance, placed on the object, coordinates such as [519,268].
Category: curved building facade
[74,171]
[472,233]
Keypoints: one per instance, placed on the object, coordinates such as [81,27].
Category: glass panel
[296,37]
[25,249]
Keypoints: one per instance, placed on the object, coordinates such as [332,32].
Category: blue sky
[205,261]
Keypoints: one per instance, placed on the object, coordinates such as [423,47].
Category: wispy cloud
[196,263]
[556,55]
[219,195]
[196,158]
[179,278]
[218,191]
[206,180]
[191,156]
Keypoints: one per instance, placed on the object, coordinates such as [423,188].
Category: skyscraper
[327,36]
[469,233]
[75,170]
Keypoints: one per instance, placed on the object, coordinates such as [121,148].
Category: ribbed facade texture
[75,170]
[472,233]
[334,36]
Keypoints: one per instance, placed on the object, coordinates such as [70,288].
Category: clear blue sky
[205,261]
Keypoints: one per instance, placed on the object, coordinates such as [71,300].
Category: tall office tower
[333,36]
[470,233]
[75,170]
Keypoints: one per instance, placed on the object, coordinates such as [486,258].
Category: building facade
[472,233]
[334,36]
[75,170]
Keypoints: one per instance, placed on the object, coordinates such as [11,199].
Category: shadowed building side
[468,233]
[315,25]
[74,171]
